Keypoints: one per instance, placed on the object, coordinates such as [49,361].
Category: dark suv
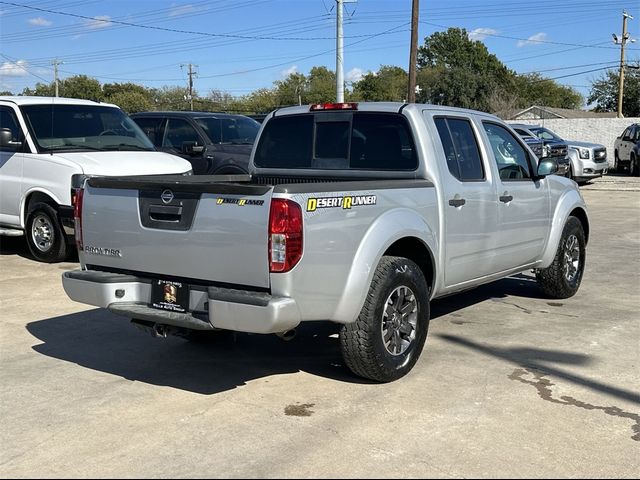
[214,143]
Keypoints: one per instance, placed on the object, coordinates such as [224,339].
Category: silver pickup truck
[358,214]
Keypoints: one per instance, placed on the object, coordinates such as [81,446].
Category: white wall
[595,130]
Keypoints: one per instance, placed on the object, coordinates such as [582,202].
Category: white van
[47,147]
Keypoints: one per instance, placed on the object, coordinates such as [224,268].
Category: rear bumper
[209,308]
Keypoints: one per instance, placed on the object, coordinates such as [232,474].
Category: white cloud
[482,33]
[533,39]
[101,21]
[40,22]
[354,75]
[289,71]
[182,10]
[14,69]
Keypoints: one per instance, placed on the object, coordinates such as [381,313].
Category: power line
[527,39]
[174,30]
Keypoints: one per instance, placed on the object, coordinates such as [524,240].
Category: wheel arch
[412,238]
[33,196]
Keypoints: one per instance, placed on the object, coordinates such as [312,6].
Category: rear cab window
[338,141]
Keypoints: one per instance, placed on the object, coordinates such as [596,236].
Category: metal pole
[339,54]
[191,85]
[413,54]
[623,42]
[55,63]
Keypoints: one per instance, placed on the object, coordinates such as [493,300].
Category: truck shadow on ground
[101,341]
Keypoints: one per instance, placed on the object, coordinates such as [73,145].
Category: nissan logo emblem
[167,196]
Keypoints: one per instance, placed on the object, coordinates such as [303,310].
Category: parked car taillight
[77,215]
[285,235]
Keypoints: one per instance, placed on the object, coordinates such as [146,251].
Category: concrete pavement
[510,384]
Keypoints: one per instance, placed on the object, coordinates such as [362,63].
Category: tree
[604,92]
[131,102]
[81,86]
[321,85]
[534,89]
[40,90]
[6,93]
[460,72]
[171,98]
[389,83]
[292,90]
[263,100]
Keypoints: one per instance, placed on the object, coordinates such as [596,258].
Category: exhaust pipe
[160,330]
[156,330]
[287,335]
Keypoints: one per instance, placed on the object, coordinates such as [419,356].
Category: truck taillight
[77,216]
[285,235]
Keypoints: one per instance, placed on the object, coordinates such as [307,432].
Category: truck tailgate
[191,227]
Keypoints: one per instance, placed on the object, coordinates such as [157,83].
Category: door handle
[457,202]
[506,198]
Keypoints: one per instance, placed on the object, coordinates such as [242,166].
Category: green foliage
[534,89]
[171,98]
[389,83]
[458,71]
[131,102]
[6,93]
[321,85]
[604,92]
[291,90]
[40,90]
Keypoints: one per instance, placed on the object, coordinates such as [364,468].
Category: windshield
[236,130]
[83,128]
[545,134]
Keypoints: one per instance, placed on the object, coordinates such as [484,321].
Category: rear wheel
[616,162]
[562,278]
[634,168]
[45,235]
[386,340]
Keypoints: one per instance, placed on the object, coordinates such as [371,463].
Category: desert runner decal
[239,201]
[345,202]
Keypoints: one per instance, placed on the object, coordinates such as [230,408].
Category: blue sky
[242,45]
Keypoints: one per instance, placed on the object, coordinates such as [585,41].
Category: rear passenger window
[460,148]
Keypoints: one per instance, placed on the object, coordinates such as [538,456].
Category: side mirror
[192,148]
[6,139]
[547,167]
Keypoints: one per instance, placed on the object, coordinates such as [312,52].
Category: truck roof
[35,100]
[391,107]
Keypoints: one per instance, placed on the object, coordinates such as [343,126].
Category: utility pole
[339,53]
[413,54]
[55,62]
[622,42]
[191,74]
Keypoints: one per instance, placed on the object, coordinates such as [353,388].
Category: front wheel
[562,278]
[386,340]
[45,235]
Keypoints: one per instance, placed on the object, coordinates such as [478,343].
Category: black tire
[562,278]
[45,234]
[634,168]
[616,162]
[362,342]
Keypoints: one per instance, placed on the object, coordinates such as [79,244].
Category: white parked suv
[47,147]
